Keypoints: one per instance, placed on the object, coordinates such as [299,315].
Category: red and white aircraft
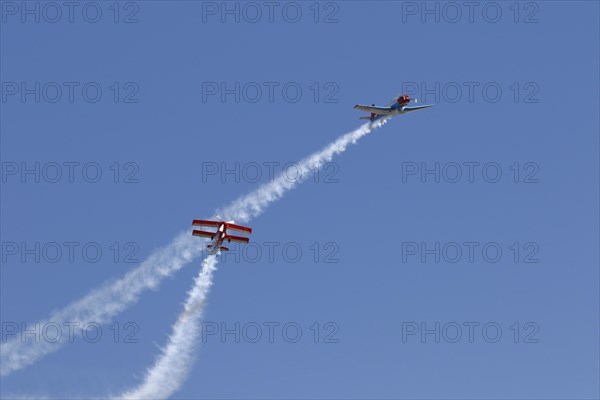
[221,234]
[396,107]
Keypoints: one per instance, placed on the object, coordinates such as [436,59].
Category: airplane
[395,107]
[221,234]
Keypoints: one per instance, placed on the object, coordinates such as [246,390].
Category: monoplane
[396,107]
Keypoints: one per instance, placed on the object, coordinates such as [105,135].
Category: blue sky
[370,211]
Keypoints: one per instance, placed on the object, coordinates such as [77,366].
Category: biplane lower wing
[205,234]
[238,239]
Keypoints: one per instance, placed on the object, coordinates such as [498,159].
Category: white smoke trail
[253,204]
[174,364]
[102,304]
[171,369]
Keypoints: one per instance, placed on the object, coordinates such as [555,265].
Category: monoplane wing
[374,109]
[408,109]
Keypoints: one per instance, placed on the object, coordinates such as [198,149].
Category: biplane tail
[211,247]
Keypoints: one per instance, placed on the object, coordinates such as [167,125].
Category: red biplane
[221,234]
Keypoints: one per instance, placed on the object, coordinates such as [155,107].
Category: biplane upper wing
[201,222]
[238,239]
[209,235]
[374,109]
[239,228]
